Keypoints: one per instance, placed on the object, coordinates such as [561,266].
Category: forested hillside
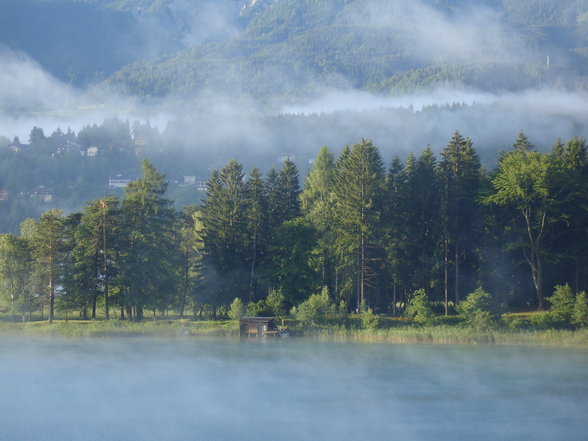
[298,48]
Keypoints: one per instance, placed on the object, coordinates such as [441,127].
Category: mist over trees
[367,234]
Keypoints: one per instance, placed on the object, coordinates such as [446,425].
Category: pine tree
[256,225]
[225,236]
[317,202]
[358,193]
[422,205]
[147,265]
[395,227]
[289,190]
[47,242]
[459,175]
[94,251]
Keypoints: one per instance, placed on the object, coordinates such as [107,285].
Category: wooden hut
[258,327]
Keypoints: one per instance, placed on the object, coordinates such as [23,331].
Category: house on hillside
[118,182]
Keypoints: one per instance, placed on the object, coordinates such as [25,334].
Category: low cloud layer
[214,126]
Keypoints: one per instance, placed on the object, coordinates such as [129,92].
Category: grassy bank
[402,334]
[116,328]
[445,334]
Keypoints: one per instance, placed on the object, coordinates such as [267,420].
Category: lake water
[155,389]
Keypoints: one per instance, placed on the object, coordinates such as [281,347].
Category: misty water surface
[152,389]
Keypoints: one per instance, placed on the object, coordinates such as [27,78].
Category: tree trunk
[394,297]
[538,281]
[51,294]
[362,272]
[456,272]
[251,281]
[106,306]
[446,276]
[94,306]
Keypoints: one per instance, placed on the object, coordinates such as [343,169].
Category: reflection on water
[152,389]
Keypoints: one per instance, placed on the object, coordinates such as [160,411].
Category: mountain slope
[296,48]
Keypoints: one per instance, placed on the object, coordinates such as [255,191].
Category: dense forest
[289,50]
[365,234]
[300,48]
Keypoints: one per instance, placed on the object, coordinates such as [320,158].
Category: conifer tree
[318,207]
[422,205]
[47,242]
[256,206]
[459,175]
[358,193]
[225,237]
[395,227]
[148,227]
[16,276]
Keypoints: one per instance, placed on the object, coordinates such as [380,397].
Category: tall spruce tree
[570,235]
[256,226]
[317,202]
[422,205]
[94,251]
[148,224]
[395,229]
[47,242]
[459,175]
[225,238]
[289,190]
[359,193]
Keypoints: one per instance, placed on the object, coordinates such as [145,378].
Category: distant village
[44,193]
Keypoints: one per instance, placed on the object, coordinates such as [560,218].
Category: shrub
[259,309]
[580,311]
[419,308]
[562,305]
[542,320]
[276,302]
[237,309]
[314,309]
[478,311]
[369,320]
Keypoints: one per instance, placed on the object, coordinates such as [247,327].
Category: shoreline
[438,335]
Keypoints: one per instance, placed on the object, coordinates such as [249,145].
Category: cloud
[472,31]
[24,85]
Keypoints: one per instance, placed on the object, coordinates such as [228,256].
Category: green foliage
[543,320]
[237,309]
[562,304]
[259,309]
[524,182]
[391,235]
[419,308]
[314,309]
[478,311]
[580,311]
[369,320]
[289,269]
[276,302]
[359,185]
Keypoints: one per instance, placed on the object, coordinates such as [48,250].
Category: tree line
[361,233]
